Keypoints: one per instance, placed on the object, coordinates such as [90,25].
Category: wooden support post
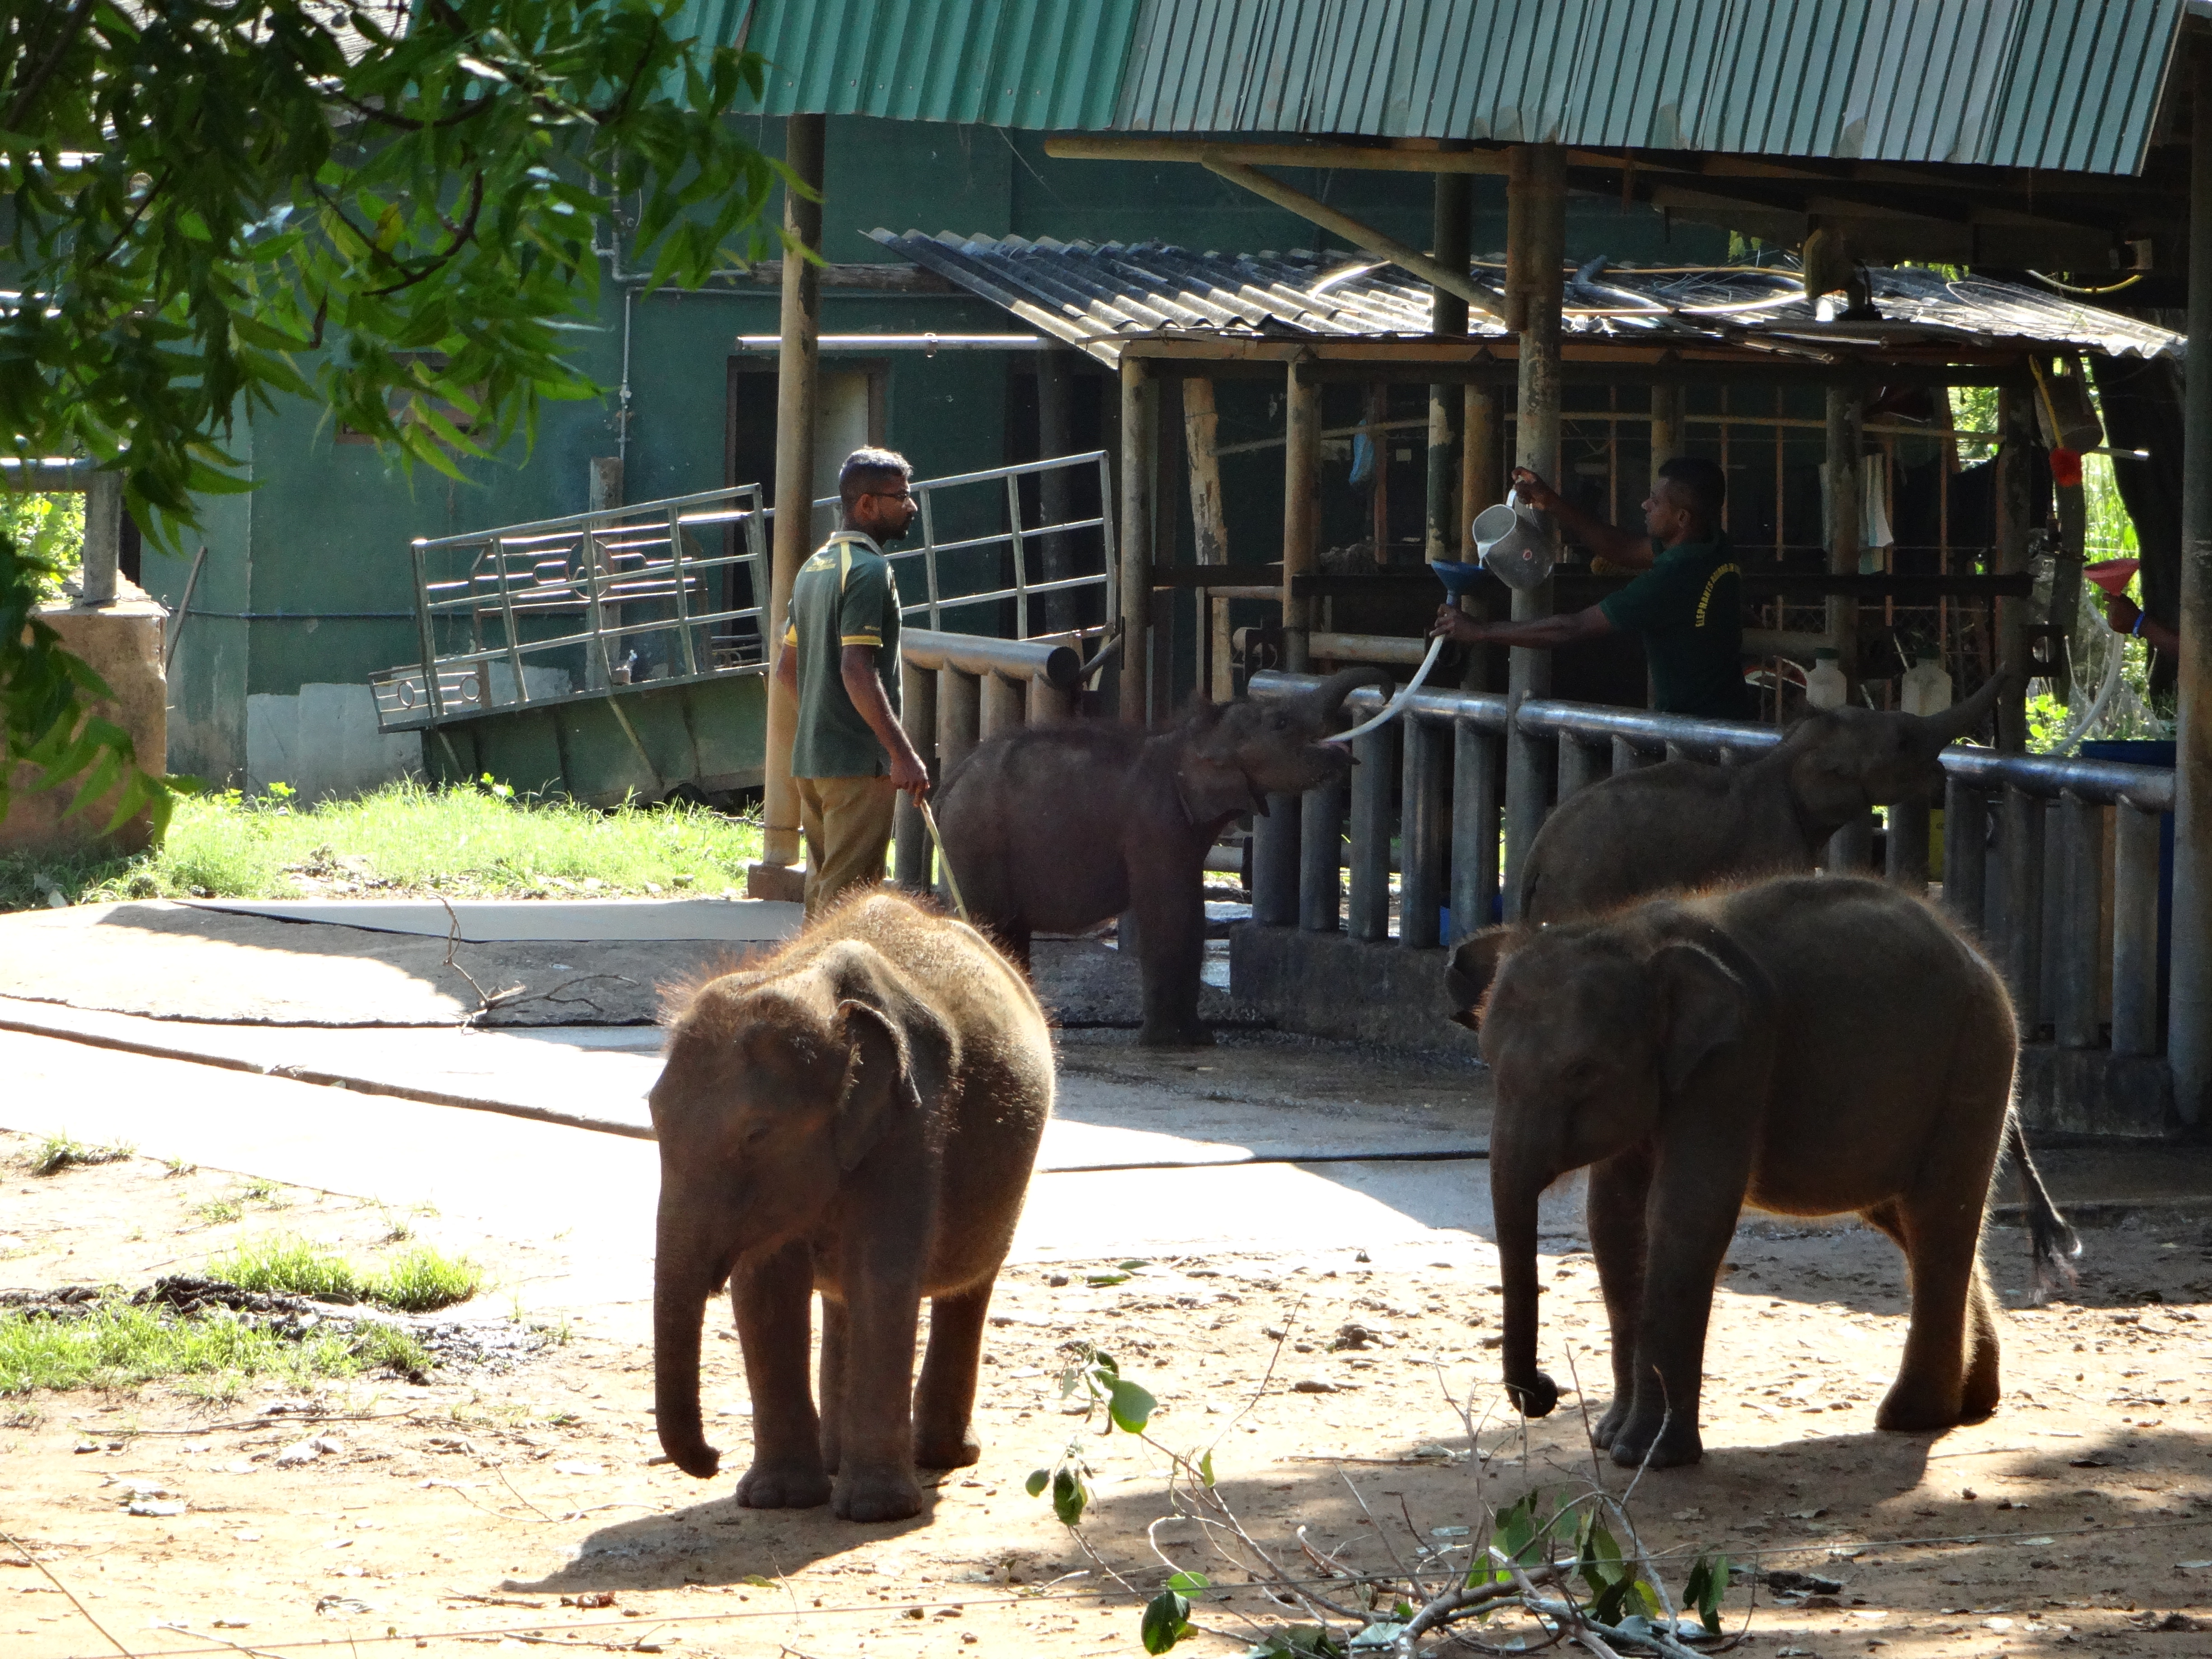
[2081,848]
[1056,562]
[1140,408]
[1423,836]
[1851,847]
[2189,1021]
[1666,425]
[959,716]
[1201,444]
[2020,846]
[1370,834]
[1301,508]
[797,363]
[2018,518]
[2135,931]
[1965,853]
[1453,214]
[1535,235]
[1474,829]
[1482,484]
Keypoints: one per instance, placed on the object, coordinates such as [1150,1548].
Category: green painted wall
[327,529]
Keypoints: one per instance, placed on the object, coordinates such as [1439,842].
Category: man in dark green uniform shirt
[1687,605]
[849,755]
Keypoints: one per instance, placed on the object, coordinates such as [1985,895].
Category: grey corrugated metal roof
[2067,84]
[1090,294]
[1043,63]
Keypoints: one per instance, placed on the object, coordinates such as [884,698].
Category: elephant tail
[2050,1242]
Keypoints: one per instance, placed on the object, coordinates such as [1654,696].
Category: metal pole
[103,537]
[1422,837]
[1140,455]
[1301,508]
[2082,846]
[1965,853]
[1536,202]
[918,714]
[798,367]
[1474,828]
[2022,956]
[1666,425]
[1369,917]
[1321,857]
[2135,930]
[2189,1041]
[1275,854]
[1021,556]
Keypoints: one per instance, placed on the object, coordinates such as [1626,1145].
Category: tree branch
[35,82]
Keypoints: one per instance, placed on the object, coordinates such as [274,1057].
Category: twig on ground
[32,1560]
[486,1000]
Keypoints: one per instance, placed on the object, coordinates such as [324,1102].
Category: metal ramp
[621,655]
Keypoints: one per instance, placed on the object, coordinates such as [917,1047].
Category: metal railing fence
[577,605]
[2054,864]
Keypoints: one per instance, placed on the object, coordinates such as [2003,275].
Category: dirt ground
[503,1510]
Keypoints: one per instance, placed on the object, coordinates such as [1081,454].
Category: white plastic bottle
[1825,687]
[1925,689]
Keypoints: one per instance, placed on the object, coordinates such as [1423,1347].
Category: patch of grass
[216,1210]
[419,1281]
[403,839]
[56,1151]
[117,1345]
[173,1167]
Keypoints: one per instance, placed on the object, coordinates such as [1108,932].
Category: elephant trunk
[682,1281]
[1514,1190]
[1963,719]
[1324,700]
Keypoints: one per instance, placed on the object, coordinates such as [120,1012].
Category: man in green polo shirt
[850,757]
[1687,605]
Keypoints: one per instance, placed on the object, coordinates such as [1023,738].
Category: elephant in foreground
[1056,829]
[856,1115]
[1807,1045]
[1683,823]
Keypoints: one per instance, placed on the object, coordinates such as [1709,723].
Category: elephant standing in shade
[1808,1045]
[1056,829]
[1683,823]
[858,1115]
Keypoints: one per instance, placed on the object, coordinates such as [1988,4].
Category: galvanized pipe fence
[2054,864]
[674,590]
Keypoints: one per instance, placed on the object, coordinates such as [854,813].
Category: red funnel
[2113,575]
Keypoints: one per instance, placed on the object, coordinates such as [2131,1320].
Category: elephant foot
[1610,1426]
[957,1449]
[1677,1447]
[1174,1034]
[1536,1398]
[883,1493]
[1911,1411]
[783,1486]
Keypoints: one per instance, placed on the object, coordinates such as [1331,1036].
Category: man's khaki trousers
[846,823]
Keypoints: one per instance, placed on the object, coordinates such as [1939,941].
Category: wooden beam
[1409,260]
[1113,147]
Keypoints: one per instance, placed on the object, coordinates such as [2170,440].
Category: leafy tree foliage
[387,206]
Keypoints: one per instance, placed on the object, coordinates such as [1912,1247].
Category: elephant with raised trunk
[1056,829]
[1807,1045]
[856,1116]
[1683,823]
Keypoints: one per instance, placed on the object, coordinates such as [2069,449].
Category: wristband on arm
[2141,616]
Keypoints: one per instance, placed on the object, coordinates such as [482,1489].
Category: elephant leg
[1978,1393]
[875,1468]
[1618,1187]
[1701,1172]
[1171,907]
[944,1400]
[833,1383]
[1952,1331]
[773,1300]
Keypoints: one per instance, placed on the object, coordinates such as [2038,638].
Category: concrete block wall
[324,742]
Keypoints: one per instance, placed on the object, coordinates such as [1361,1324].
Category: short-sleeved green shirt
[1689,608]
[844,595]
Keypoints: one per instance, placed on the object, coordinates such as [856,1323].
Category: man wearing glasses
[850,757]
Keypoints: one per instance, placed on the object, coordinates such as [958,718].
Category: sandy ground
[497,1510]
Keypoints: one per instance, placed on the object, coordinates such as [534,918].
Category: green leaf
[1166,1622]
[1205,1467]
[1130,1406]
[1038,1480]
[1069,1495]
[1706,1588]
[1189,1583]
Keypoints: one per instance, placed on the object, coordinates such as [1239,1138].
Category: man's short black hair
[1702,485]
[866,472]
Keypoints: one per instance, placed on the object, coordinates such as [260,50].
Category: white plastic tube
[1390,712]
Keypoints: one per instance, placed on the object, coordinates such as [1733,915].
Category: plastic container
[1925,689]
[1825,687]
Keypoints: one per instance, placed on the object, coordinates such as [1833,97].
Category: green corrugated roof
[2071,85]
[1045,64]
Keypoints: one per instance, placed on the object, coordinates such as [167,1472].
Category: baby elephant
[856,1116]
[1809,1045]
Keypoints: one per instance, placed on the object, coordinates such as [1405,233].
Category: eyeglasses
[889,496]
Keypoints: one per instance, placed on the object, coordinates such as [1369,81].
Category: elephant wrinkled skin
[1808,1045]
[858,1114]
[1056,829]
[1683,823]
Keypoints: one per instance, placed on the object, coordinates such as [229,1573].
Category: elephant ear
[878,1082]
[1474,966]
[1703,1007]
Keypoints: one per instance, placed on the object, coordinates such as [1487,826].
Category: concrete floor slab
[481,922]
